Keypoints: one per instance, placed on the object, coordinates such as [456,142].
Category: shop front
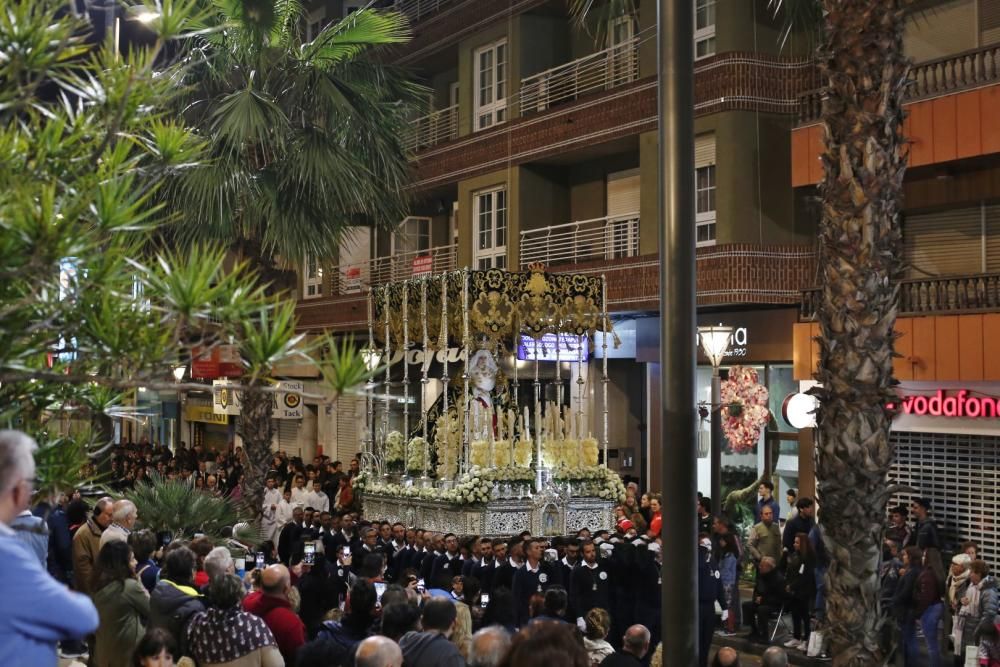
[762,340]
[205,427]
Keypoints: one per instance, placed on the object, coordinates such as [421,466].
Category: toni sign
[959,403]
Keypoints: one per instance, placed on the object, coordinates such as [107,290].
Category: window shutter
[993,238]
[943,243]
[704,150]
[623,193]
[349,425]
[288,437]
[989,22]
[941,30]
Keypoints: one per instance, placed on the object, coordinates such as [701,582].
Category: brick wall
[731,81]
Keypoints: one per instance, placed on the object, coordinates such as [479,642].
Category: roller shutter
[704,150]
[349,425]
[989,22]
[288,436]
[940,30]
[943,243]
[623,192]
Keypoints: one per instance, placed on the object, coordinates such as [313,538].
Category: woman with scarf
[955,588]
[224,634]
[979,606]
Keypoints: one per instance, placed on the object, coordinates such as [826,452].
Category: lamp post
[715,342]
[179,372]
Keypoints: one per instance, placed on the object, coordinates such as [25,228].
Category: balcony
[604,70]
[417,10]
[963,71]
[432,129]
[582,241]
[354,278]
[975,293]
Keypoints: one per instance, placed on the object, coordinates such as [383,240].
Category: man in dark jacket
[433,647]
[590,584]
[503,575]
[535,577]
[802,522]
[768,597]
[175,600]
[447,566]
[924,534]
[709,592]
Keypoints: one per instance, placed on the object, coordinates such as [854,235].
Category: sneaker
[792,643]
[803,646]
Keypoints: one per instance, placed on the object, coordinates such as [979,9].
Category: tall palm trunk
[864,159]
[257,430]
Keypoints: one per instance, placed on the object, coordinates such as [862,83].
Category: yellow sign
[204,413]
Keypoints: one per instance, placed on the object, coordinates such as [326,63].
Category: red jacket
[288,630]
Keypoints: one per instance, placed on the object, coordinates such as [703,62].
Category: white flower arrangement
[395,447]
[472,489]
[417,458]
[479,453]
[561,453]
[593,481]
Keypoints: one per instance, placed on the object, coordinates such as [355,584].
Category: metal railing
[610,237]
[417,10]
[604,70]
[968,69]
[432,129]
[353,278]
[924,296]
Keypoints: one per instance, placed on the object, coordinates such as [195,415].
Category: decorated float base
[547,513]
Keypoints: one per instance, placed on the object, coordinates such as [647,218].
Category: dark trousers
[706,628]
[800,618]
[757,615]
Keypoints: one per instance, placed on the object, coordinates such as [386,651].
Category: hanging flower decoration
[744,408]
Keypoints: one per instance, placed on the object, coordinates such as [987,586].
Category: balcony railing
[928,296]
[582,241]
[432,129]
[599,71]
[354,278]
[969,69]
[417,10]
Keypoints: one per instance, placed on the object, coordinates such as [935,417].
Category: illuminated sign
[959,404]
[571,348]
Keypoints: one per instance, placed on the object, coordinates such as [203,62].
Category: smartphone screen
[260,560]
[379,590]
[420,586]
[346,552]
[484,599]
[310,554]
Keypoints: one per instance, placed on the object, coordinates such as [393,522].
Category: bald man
[727,657]
[635,645]
[123,518]
[271,604]
[87,544]
[774,657]
[378,651]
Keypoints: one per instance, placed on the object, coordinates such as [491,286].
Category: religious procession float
[497,446]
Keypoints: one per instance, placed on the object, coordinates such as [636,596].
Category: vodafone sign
[950,403]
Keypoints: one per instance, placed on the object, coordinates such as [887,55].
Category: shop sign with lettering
[942,403]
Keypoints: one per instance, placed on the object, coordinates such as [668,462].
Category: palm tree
[862,61]
[306,138]
[865,71]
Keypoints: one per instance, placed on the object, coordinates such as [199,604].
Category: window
[622,61]
[312,277]
[490,209]
[704,28]
[705,204]
[491,85]
[315,22]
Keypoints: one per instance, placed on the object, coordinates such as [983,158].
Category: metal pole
[678,414]
[716,442]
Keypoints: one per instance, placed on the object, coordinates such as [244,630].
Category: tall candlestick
[425,367]
[467,345]
[406,375]
[388,366]
[370,388]
[604,365]
[443,344]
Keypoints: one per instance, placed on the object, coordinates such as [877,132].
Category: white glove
[725,615]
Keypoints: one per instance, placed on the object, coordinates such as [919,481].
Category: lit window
[491,85]
[312,277]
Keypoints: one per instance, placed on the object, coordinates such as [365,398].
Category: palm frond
[177,507]
[597,17]
[797,17]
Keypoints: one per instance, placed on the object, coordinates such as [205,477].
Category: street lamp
[715,342]
[371,357]
[179,373]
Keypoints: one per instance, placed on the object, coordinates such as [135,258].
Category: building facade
[539,145]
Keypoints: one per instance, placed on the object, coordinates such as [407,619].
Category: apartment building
[539,145]
[949,310]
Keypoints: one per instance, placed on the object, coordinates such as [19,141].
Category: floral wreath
[744,408]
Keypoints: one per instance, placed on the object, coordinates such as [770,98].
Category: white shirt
[299,496]
[284,512]
[318,501]
[271,497]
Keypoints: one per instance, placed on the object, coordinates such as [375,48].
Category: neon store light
[960,404]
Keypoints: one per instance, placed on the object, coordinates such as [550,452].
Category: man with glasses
[29,632]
